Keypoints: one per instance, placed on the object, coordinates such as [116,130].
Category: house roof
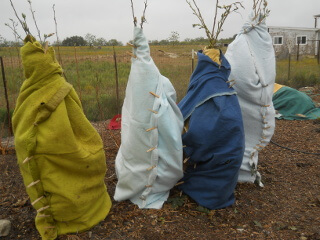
[296,28]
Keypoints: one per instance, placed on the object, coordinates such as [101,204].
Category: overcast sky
[113,18]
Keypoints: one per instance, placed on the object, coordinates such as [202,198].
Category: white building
[292,39]
[287,39]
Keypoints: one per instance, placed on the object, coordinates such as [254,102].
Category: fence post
[117,79]
[318,52]
[289,65]
[78,76]
[298,50]
[192,61]
[6,96]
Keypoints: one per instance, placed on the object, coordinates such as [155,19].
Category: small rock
[5,226]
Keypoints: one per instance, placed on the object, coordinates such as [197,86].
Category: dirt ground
[288,207]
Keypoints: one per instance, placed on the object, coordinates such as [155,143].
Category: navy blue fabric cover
[215,137]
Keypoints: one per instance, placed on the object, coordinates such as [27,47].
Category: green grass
[95,79]
[304,73]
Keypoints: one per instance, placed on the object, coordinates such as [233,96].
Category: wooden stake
[42,209]
[6,96]
[179,183]
[152,93]
[78,76]
[37,200]
[150,129]
[186,160]
[51,227]
[151,149]
[27,159]
[155,112]
[117,79]
[150,168]
[131,45]
[33,183]
[231,85]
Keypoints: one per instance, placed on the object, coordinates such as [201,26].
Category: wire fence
[99,76]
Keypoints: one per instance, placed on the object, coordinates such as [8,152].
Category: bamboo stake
[6,96]
[116,78]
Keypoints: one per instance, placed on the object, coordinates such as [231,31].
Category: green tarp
[294,105]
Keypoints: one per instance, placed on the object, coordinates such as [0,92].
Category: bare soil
[288,207]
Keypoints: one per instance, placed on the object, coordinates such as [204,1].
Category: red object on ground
[115,122]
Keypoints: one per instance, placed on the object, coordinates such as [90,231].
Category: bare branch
[46,36]
[217,26]
[197,13]
[34,20]
[143,18]
[58,42]
[134,18]
[215,18]
[14,26]
[14,30]
[15,12]
[260,11]
[23,23]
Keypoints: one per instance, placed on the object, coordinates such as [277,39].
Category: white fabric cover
[252,59]
[149,163]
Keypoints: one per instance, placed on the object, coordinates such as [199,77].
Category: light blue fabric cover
[251,56]
[149,163]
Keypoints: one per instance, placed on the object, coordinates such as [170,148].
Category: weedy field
[92,72]
[287,208]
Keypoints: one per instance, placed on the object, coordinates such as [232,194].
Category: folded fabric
[60,154]
[214,140]
[149,161]
[252,58]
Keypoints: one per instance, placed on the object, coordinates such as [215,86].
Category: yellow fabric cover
[277,87]
[213,53]
[60,154]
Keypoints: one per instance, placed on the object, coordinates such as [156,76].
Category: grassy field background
[92,73]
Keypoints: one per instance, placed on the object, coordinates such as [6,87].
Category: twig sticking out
[114,138]
[23,23]
[214,34]
[55,22]
[143,18]
[134,18]
[259,11]
[58,41]
[35,22]
[14,29]
[215,17]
